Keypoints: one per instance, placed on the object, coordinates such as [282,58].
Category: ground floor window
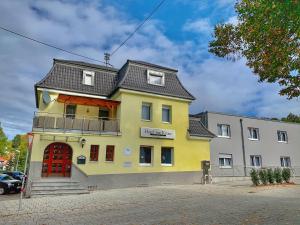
[255,160]
[225,160]
[145,155]
[110,152]
[285,161]
[94,152]
[167,156]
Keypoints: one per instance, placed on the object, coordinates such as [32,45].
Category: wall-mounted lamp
[82,142]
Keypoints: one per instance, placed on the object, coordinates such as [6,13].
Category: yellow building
[109,128]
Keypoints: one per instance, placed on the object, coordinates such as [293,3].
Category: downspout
[243,147]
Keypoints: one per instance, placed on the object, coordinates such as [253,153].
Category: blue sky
[176,36]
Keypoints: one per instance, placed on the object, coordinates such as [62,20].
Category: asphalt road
[186,204]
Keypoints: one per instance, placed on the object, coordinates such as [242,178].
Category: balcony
[52,122]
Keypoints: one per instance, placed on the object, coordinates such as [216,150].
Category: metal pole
[23,180]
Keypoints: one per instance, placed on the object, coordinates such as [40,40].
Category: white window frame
[88,73]
[170,113]
[250,134]
[156,74]
[279,133]
[284,158]
[260,161]
[172,156]
[225,156]
[146,164]
[229,130]
[150,110]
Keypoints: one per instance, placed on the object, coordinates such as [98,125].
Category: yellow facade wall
[188,153]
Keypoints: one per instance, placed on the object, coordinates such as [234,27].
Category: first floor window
[70,111]
[166,114]
[166,156]
[146,111]
[225,160]
[253,133]
[255,160]
[94,152]
[110,151]
[282,136]
[146,155]
[285,161]
[223,130]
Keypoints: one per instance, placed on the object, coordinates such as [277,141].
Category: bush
[270,175]
[263,176]
[278,175]
[286,175]
[254,177]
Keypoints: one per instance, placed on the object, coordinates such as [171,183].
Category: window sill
[93,161]
[256,167]
[220,136]
[145,164]
[165,164]
[225,167]
[108,161]
[253,139]
[284,142]
[146,120]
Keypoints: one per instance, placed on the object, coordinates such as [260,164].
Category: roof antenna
[106,58]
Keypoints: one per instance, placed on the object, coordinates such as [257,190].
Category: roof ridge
[144,63]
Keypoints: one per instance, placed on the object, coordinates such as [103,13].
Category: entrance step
[55,187]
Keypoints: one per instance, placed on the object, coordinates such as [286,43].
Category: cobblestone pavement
[10,196]
[185,204]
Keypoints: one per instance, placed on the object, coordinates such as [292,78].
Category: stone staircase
[56,187]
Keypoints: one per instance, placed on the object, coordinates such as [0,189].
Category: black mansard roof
[67,75]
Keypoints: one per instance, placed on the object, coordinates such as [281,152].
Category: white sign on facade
[127,164]
[157,133]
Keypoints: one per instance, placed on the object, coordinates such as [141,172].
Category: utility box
[205,166]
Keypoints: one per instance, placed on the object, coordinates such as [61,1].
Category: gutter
[243,147]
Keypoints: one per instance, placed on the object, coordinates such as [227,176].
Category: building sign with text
[157,133]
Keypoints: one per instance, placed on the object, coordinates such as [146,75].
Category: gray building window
[285,161]
[224,130]
[282,136]
[146,111]
[255,160]
[166,114]
[253,133]
[225,160]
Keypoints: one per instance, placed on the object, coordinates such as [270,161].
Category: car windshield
[5,177]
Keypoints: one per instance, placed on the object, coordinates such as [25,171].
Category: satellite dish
[46,97]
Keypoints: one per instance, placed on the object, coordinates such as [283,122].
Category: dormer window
[88,77]
[155,78]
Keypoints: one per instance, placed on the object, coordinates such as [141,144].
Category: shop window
[167,156]
[145,155]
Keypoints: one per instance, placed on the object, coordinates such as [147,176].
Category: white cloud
[90,28]
[202,26]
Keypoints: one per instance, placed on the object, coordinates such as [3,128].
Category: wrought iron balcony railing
[74,123]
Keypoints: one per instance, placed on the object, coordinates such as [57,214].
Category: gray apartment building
[243,143]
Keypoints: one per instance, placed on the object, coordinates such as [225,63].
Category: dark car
[15,174]
[9,184]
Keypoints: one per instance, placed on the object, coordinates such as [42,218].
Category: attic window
[155,78]
[88,77]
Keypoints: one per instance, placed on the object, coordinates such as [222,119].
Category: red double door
[57,161]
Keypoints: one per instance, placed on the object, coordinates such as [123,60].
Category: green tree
[291,118]
[3,142]
[267,35]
